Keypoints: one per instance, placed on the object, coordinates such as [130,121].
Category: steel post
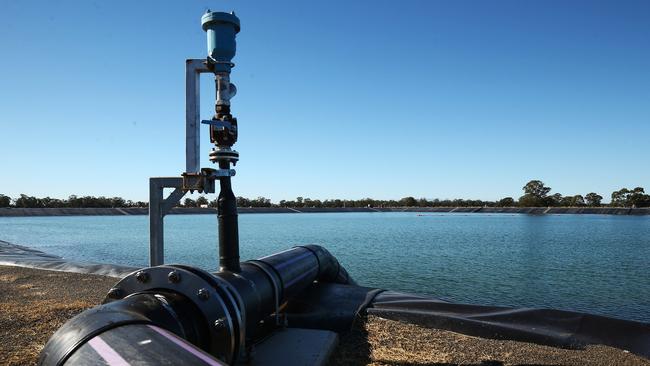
[193,70]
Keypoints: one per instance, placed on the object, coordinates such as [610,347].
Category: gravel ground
[34,303]
[378,341]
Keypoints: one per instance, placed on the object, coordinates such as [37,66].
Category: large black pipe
[119,347]
[273,280]
[228,225]
[219,313]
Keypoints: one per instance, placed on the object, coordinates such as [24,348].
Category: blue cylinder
[221,29]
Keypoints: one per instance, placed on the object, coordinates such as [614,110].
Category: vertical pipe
[228,225]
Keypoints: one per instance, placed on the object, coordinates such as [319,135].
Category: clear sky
[336,99]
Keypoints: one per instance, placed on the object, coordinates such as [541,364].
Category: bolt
[220,323]
[115,293]
[142,276]
[174,277]
[203,294]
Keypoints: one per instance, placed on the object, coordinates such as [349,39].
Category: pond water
[593,263]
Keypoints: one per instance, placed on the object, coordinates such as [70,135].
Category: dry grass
[377,341]
[34,303]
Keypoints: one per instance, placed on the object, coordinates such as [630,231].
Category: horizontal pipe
[137,344]
[219,313]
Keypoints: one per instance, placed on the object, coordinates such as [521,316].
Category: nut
[174,277]
[220,323]
[203,294]
[142,276]
[115,293]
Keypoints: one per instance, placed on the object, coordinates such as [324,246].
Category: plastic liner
[329,306]
[18,255]
[557,328]
[335,307]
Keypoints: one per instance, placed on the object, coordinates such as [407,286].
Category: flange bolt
[220,323]
[174,277]
[142,276]
[115,293]
[203,294]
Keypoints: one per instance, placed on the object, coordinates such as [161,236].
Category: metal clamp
[277,287]
[203,182]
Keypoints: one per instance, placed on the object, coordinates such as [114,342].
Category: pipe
[133,344]
[218,313]
[228,225]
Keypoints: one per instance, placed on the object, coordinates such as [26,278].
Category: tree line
[536,194]
[25,201]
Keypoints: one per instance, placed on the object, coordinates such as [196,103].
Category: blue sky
[336,99]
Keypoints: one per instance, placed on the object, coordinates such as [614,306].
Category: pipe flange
[234,304]
[220,153]
[200,291]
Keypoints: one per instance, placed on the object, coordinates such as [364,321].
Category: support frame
[193,70]
[159,206]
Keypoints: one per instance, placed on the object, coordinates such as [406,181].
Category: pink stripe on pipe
[107,353]
[186,346]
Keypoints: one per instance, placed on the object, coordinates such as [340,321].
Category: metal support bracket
[158,208]
[193,69]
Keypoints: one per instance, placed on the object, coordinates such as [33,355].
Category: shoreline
[27,212]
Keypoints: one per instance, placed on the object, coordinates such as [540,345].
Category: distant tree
[506,202]
[201,201]
[266,202]
[535,194]
[565,201]
[536,188]
[188,202]
[117,202]
[593,199]
[52,202]
[528,200]
[630,198]
[638,198]
[5,201]
[242,202]
[408,202]
[577,201]
[619,198]
[556,200]
[25,201]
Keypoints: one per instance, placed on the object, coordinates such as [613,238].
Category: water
[599,264]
